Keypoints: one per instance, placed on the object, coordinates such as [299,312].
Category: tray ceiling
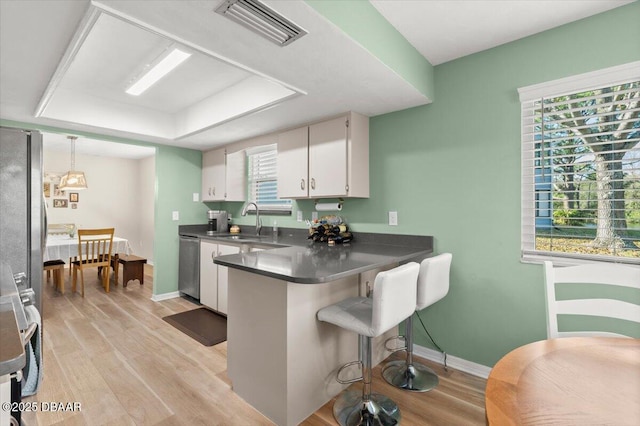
[202,92]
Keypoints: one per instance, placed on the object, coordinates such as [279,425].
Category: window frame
[286,206]
[556,88]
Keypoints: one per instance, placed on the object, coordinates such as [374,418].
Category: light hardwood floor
[113,354]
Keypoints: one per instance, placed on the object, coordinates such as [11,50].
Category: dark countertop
[319,263]
[296,259]
[12,354]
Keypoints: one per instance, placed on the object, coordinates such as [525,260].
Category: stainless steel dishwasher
[189,266]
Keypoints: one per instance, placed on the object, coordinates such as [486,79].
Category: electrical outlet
[175,215]
[196,197]
[393,218]
[299,217]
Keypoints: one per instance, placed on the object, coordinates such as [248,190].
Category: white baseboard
[473,368]
[165,296]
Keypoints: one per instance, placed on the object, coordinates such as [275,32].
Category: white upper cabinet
[326,159]
[293,172]
[236,176]
[213,175]
[224,175]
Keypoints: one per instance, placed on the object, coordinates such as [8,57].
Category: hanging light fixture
[73,180]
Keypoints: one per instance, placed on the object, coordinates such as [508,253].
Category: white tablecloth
[63,247]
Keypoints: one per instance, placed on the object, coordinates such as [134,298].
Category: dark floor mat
[201,324]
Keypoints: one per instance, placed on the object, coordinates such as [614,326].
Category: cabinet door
[213,175]
[236,172]
[328,158]
[208,275]
[292,163]
[223,277]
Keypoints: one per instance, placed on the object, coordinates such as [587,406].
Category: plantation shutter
[581,174]
[263,179]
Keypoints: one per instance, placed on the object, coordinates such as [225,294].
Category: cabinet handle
[209,190]
[302,184]
[313,183]
[213,255]
[214,191]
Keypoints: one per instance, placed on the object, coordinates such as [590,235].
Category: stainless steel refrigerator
[22,210]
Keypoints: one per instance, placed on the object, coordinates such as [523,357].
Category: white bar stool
[433,285]
[393,300]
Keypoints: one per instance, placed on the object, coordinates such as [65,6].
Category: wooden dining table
[567,381]
[66,247]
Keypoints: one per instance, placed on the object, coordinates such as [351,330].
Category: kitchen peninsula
[280,359]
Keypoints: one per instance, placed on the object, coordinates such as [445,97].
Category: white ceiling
[449,29]
[99,148]
[330,72]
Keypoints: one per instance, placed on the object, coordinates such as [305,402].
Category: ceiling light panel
[164,66]
[261,19]
[204,91]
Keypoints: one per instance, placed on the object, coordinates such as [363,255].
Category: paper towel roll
[328,207]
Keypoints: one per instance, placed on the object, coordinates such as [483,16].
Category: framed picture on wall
[46,189]
[73,197]
[57,192]
[60,203]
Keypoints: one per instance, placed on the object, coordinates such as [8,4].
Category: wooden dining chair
[57,268]
[94,251]
[61,229]
[592,290]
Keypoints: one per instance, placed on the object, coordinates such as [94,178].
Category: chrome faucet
[258,222]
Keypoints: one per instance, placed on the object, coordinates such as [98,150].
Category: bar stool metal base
[351,410]
[415,377]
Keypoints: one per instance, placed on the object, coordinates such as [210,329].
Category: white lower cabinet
[208,275]
[223,277]
[214,278]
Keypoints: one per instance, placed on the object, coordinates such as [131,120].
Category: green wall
[452,170]
[364,24]
[178,176]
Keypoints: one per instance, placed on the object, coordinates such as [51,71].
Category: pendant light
[73,180]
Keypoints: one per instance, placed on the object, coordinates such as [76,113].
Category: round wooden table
[567,381]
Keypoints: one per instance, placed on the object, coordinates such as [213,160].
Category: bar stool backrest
[433,281]
[394,297]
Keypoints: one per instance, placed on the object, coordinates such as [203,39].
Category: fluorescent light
[162,68]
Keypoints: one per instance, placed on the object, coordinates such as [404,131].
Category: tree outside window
[584,152]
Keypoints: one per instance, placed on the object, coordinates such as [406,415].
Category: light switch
[299,217]
[196,197]
[393,218]
[175,215]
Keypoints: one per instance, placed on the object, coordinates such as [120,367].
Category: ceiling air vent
[261,19]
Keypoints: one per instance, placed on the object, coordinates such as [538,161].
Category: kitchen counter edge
[373,251]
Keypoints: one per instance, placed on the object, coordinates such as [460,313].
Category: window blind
[263,179]
[581,174]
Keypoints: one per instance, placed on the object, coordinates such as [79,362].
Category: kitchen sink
[242,237]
